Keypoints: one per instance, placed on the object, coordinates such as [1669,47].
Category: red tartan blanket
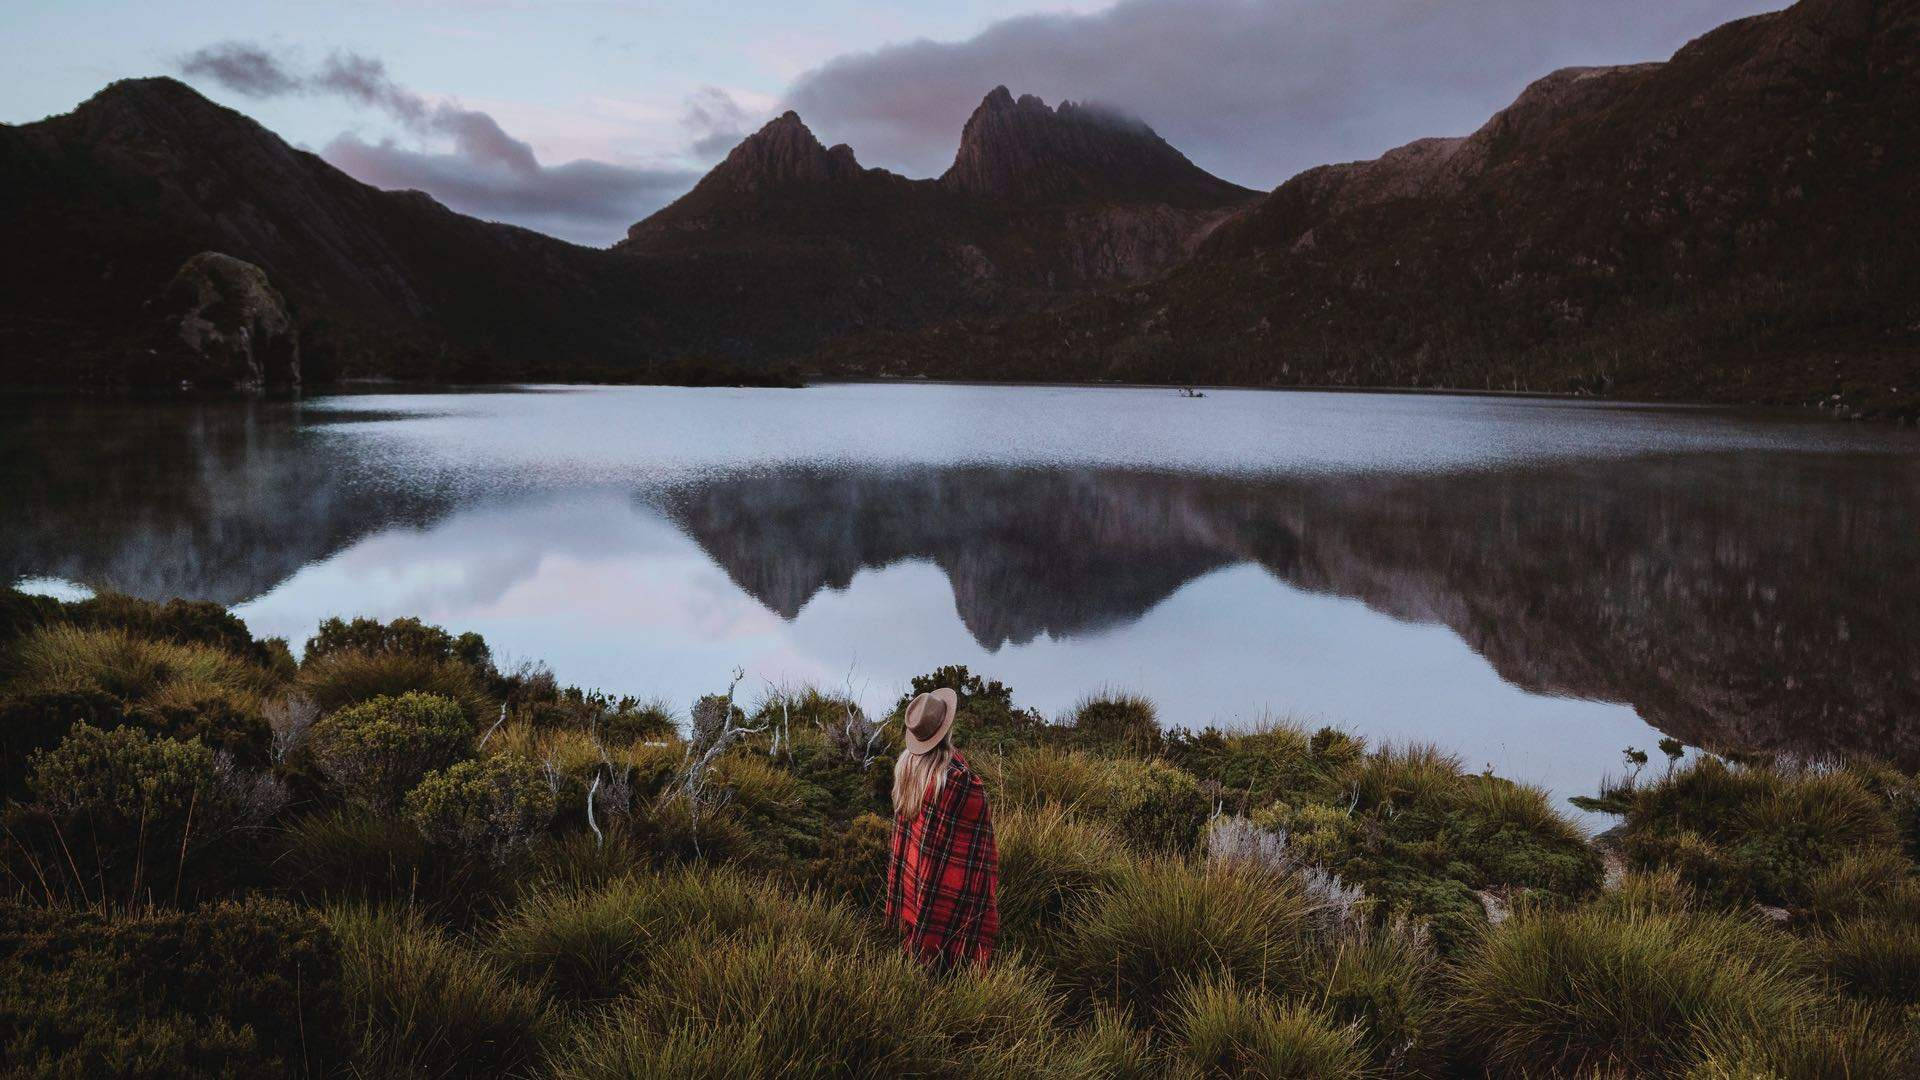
[944,876]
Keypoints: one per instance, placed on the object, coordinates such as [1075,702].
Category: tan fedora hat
[929,718]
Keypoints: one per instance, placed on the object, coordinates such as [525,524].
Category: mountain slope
[1733,224]
[106,202]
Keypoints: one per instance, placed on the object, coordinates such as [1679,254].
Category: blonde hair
[913,772]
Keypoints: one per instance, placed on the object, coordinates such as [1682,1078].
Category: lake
[1532,584]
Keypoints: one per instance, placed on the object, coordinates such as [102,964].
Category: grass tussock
[1222,1030]
[419,1002]
[1594,991]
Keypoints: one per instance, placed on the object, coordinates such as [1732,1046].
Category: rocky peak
[1021,149]
[783,152]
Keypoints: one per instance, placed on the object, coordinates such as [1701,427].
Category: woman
[945,871]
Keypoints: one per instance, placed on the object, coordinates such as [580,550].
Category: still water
[1533,585]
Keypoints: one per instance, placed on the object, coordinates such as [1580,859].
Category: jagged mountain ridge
[1039,203]
[785,245]
[1732,224]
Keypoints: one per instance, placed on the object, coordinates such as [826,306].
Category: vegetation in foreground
[392,858]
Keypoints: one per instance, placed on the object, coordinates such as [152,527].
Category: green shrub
[1050,863]
[988,719]
[407,636]
[1760,832]
[421,1003]
[374,752]
[1574,992]
[1251,769]
[1126,722]
[230,990]
[1165,921]
[492,806]
[853,862]
[119,814]
[1222,1030]
[38,720]
[336,680]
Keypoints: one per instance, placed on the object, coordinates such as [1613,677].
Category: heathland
[391,857]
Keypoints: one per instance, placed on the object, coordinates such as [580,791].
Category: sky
[579,117]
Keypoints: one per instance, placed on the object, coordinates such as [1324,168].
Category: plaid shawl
[944,876]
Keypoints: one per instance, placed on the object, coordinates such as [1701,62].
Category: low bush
[377,750]
[1762,832]
[853,862]
[1166,921]
[1126,722]
[337,680]
[243,989]
[421,1003]
[988,718]
[406,636]
[121,815]
[1223,1030]
[1272,761]
[1573,993]
[490,807]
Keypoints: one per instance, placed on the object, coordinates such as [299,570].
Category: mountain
[106,203]
[1040,203]
[784,246]
[1733,224]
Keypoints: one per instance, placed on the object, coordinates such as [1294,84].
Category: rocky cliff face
[1731,224]
[1023,151]
[1039,202]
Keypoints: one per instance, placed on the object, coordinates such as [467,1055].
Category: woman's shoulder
[958,771]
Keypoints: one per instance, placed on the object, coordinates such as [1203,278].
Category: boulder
[223,323]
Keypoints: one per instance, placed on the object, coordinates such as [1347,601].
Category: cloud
[1255,90]
[716,121]
[247,69]
[487,173]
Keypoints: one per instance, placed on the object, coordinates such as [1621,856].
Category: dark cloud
[488,173]
[715,121]
[247,69]
[1255,90]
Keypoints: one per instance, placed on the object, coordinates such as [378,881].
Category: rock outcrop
[1023,151]
[231,323]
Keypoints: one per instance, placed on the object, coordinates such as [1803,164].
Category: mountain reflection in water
[1745,598]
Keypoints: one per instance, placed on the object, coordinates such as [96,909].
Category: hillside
[1734,224]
